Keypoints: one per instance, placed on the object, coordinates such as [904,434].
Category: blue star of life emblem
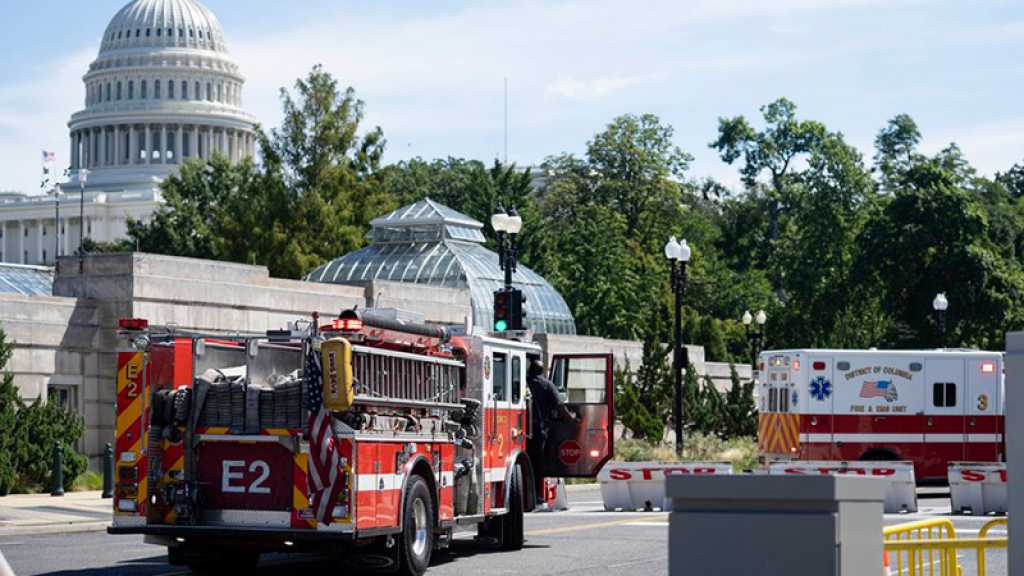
[821,388]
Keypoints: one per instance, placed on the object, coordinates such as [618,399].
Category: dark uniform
[547,407]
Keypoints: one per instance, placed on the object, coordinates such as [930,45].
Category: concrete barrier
[757,524]
[900,496]
[977,487]
[630,486]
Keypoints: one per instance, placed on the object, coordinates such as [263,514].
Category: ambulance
[930,407]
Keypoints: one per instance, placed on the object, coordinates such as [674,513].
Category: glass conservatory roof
[27,280]
[427,243]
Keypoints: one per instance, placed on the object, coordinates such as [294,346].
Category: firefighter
[547,407]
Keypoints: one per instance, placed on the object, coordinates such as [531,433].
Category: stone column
[93,148]
[72,158]
[209,143]
[179,140]
[193,147]
[133,145]
[149,143]
[117,145]
[163,144]
[21,242]
[224,142]
[104,144]
[39,241]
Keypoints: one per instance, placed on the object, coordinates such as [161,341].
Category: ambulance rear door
[816,421]
[982,405]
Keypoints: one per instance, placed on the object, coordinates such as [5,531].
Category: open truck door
[579,449]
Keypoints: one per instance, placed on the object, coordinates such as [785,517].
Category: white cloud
[990,147]
[33,116]
[573,89]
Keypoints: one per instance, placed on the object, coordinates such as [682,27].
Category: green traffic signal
[500,326]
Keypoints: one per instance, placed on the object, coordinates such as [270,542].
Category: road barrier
[901,496]
[977,487]
[931,547]
[630,486]
[555,495]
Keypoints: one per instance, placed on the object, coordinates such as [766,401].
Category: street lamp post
[678,254]
[83,175]
[756,339]
[507,225]
[939,304]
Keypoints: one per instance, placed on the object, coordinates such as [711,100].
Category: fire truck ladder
[393,379]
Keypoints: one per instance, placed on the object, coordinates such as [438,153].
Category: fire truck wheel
[511,535]
[418,531]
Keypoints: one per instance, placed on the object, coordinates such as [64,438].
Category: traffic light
[508,310]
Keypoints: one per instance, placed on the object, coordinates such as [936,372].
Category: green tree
[933,237]
[740,411]
[8,421]
[896,150]
[311,199]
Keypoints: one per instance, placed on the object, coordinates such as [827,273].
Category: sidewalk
[44,514]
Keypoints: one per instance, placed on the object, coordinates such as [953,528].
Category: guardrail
[931,547]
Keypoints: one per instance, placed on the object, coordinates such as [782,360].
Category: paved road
[584,540]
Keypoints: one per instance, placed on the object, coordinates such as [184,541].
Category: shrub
[741,452]
[28,433]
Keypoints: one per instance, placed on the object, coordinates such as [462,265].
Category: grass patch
[741,452]
[88,480]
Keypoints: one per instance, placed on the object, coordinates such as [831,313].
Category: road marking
[578,527]
[637,562]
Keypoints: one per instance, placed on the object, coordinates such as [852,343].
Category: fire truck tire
[511,532]
[417,542]
[879,456]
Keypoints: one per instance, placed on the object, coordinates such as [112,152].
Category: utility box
[793,525]
[1014,435]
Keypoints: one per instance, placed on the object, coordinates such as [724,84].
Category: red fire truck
[367,438]
[931,407]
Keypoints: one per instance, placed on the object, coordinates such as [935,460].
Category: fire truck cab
[931,407]
[368,438]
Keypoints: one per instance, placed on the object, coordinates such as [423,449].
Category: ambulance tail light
[796,365]
[819,365]
[988,367]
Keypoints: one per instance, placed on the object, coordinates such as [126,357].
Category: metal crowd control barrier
[977,487]
[931,547]
[630,486]
[901,496]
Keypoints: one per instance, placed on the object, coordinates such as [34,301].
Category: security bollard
[58,470]
[108,472]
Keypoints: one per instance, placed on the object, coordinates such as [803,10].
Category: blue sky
[431,72]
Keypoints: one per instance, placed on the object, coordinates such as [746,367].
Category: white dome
[162,90]
[164,23]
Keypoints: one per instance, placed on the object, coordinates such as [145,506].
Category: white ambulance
[931,407]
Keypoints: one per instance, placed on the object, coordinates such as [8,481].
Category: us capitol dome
[162,89]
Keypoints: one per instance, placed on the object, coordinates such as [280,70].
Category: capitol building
[162,89]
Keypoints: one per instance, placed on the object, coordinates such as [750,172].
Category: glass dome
[427,243]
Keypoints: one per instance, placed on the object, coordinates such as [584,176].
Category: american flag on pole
[324,464]
[48,159]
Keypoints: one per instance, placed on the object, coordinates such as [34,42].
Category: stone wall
[68,342]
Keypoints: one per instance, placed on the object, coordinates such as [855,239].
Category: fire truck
[931,407]
[366,438]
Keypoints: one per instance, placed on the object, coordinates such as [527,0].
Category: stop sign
[569,452]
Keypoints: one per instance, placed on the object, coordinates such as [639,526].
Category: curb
[54,529]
